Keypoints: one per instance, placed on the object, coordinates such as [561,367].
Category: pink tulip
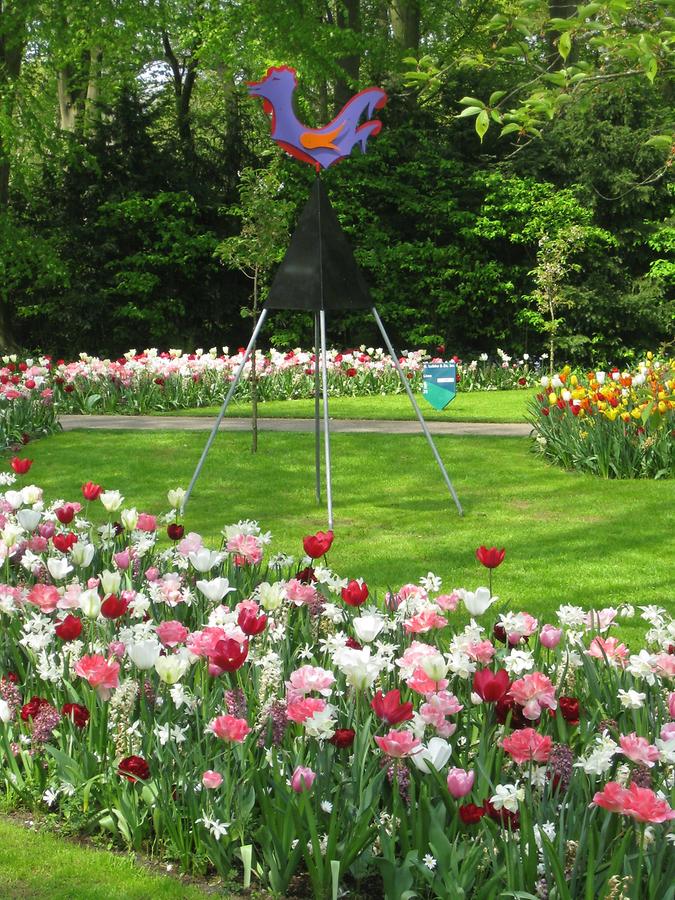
[172,633]
[398,743]
[146,522]
[152,574]
[229,728]
[549,636]
[671,705]
[302,779]
[211,779]
[122,559]
[460,782]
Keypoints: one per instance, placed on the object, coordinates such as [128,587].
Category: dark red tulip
[317,545]
[306,576]
[343,737]
[491,686]
[91,491]
[78,713]
[505,706]
[490,558]
[251,623]
[389,708]
[471,814]
[229,654]
[20,466]
[353,644]
[355,594]
[113,607]
[31,709]
[175,531]
[134,768]
[569,709]
[66,513]
[69,629]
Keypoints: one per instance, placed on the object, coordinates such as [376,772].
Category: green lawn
[483,406]
[43,866]
[569,538]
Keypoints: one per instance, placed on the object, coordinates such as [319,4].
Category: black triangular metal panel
[319,270]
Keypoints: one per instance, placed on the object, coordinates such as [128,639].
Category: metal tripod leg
[233,387]
[326,427]
[317,413]
[411,397]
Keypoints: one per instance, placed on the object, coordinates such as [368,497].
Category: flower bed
[153,381]
[613,424]
[266,718]
[27,406]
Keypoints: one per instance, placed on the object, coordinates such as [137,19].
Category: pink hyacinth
[172,633]
[301,710]
[229,728]
[102,674]
[526,745]
[638,749]
[44,596]
[398,743]
[609,648]
[533,692]
[641,804]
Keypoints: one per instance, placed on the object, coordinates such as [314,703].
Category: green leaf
[471,101]
[495,97]
[509,129]
[471,111]
[651,68]
[564,44]
[482,124]
[661,142]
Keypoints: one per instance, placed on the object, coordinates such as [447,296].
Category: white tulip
[435,666]
[367,628]
[82,554]
[5,712]
[437,752]
[90,603]
[29,518]
[14,498]
[477,602]
[58,568]
[175,498]
[215,589]
[171,668]
[271,596]
[110,581]
[111,500]
[204,560]
[145,654]
[600,377]
[129,518]
[31,494]
[10,533]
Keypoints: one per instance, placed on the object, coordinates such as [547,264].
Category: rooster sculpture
[320,147]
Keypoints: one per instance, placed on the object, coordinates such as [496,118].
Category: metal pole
[326,428]
[233,387]
[411,397]
[317,413]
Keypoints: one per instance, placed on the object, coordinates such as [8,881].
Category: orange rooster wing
[313,140]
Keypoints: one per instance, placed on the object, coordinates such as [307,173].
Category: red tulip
[490,558]
[20,466]
[470,814]
[78,713]
[134,768]
[175,531]
[389,708]
[32,708]
[69,629]
[64,542]
[66,513]
[343,737]
[229,654]
[569,708]
[491,686]
[113,607]
[317,545]
[91,491]
[355,594]
[251,623]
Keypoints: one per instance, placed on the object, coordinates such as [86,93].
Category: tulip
[343,737]
[317,545]
[82,554]
[14,498]
[491,686]
[437,753]
[203,560]
[211,779]
[302,779]
[367,628]
[250,622]
[144,654]
[171,668]
[460,782]
[129,518]
[175,531]
[111,500]
[64,542]
[113,607]
[66,513]
[549,636]
[110,582]
[123,559]
[58,568]
[671,704]
[6,714]
[29,518]
[477,602]
[390,709]
[31,493]
[90,603]
[229,655]
[490,558]
[355,594]
[91,491]
[175,498]
[20,466]
[215,589]
[69,629]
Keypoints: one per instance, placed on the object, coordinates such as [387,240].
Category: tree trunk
[559,9]
[254,376]
[405,19]
[184,78]
[92,110]
[70,95]
[12,42]
[348,15]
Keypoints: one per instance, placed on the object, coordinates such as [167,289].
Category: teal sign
[439,384]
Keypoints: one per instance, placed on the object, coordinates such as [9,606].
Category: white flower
[571,616]
[129,518]
[29,518]
[431,583]
[58,568]
[518,661]
[171,668]
[110,581]
[111,500]
[5,711]
[144,654]
[175,498]
[435,666]
[600,758]
[359,668]
[82,554]
[477,602]
[204,560]
[215,589]
[507,796]
[367,628]
[321,725]
[327,806]
[666,750]
[429,861]
[437,752]
[640,665]
[632,699]
[14,499]
[90,603]
[217,829]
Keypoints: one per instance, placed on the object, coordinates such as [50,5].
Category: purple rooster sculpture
[320,147]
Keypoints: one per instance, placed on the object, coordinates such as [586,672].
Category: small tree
[260,244]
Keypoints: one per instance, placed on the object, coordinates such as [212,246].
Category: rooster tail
[369,100]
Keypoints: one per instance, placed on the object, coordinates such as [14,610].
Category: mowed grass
[480,406]
[42,866]
[569,538]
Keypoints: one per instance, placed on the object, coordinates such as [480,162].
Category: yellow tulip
[552,398]
[635,413]
[574,381]
[662,407]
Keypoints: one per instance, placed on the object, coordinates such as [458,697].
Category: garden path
[349,426]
